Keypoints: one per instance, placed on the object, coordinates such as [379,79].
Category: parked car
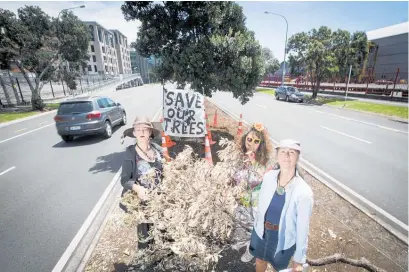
[88,116]
[289,93]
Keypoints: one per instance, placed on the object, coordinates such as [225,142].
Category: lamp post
[285,46]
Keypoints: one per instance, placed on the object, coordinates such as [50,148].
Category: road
[48,187]
[367,153]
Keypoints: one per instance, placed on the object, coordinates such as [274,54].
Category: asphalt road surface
[365,152]
[48,187]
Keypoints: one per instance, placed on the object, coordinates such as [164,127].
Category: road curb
[390,223]
[26,118]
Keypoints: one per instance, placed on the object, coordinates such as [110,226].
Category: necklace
[145,153]
[281,189]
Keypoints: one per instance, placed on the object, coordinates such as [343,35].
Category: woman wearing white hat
[282,221]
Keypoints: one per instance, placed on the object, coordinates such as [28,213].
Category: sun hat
[289,143]
[143,120]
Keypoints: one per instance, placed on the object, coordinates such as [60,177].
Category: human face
[252,142]
[287,158]
[142,133]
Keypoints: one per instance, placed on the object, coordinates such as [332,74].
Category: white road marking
[87,223]
[25,133]
[8,170]
[20,130]
[42,123]
[347,135]
[261,106]
[362,122]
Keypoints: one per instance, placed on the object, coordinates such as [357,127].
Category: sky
[269,29]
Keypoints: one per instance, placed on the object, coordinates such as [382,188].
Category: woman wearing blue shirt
[281,223]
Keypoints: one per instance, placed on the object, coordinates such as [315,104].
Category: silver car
[88,116]
[289,94]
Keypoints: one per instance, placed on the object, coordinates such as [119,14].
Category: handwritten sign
[183,114]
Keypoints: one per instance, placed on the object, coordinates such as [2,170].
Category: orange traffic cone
[208,152]
[169,142]
[240,129]
[215,120]
[209,132]
[165,147]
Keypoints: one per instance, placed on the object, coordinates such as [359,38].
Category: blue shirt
[275,208]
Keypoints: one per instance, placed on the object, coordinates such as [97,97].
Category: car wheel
[287,99]
[277,97]
[124,119]
[67,138]
[301,101]
[108,130]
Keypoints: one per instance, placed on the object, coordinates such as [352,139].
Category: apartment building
[140,65]
[123,52]
[103,56]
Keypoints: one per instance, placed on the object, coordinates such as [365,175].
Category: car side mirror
[118,104]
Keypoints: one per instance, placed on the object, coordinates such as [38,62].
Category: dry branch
[339,258]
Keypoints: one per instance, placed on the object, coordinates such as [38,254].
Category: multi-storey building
[123,52]
[140,65]
[103,56]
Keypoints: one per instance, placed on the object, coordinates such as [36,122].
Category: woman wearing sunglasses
[283,214]
[256,149]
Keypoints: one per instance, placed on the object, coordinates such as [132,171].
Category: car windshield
[75,108]
[292,90]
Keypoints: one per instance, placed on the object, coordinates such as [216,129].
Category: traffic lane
[319,147]
[55,190]
[25,127]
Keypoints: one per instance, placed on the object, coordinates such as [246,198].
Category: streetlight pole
[285,46]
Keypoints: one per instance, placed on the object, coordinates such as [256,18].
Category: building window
[95,67]
[89,68]
[106,68]
[106,39]
[91,31]
[105,59]
[92,48]
[103,49]
[94,58]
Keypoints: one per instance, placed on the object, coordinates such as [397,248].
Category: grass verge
[7,116]
[384,109]
[267,91]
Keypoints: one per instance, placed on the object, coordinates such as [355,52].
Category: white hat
[289,143]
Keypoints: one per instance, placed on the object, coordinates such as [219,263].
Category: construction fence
[15,90]
[393,84]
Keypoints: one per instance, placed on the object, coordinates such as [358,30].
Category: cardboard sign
[183,114]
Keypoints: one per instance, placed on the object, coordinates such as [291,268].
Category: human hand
[297,267]
[140,191]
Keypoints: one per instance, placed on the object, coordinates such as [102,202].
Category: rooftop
[98,24]
[388,31]
[116,30]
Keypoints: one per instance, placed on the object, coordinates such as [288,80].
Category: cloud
[107,14]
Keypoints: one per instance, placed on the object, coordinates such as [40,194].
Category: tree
[35,42]
[271,64]
[314,51]
[204,44]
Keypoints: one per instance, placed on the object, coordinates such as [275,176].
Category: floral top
[253,175]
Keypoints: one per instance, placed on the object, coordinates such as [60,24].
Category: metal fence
[18,92]
[386,84]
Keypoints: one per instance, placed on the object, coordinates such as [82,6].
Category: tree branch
[48,66]
[338,258]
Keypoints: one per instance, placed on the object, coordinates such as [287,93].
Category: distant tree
[271,64]
[35,42]
[204,44]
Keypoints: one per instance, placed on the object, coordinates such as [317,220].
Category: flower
[258,126]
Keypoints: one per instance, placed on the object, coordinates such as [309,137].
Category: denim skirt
[265,249]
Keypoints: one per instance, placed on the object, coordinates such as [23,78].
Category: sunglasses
[256,141]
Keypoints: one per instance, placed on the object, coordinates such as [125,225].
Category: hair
[264,150]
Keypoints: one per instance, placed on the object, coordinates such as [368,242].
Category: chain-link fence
[394,84]
[15,90]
